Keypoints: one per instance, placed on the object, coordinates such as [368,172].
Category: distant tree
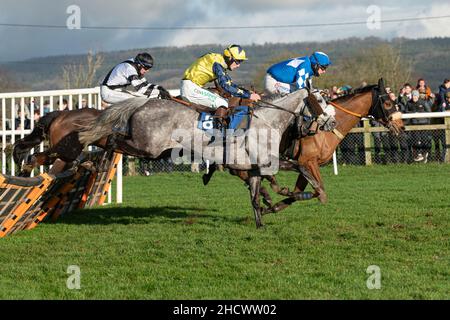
[82,75]
[368,66]
[7,82]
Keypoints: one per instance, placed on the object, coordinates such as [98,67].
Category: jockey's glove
[163,93]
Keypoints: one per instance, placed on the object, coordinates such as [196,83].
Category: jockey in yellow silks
[211,67]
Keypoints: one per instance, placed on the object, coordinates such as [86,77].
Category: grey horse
[159,127]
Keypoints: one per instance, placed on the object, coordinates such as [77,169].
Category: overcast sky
[18,43]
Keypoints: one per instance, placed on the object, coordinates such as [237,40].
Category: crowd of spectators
[23,118]
[409,146]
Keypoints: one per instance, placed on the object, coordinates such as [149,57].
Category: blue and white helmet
[319,60]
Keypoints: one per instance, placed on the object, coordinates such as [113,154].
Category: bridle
[377,103]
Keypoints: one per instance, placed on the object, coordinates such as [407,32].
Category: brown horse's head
[384,109]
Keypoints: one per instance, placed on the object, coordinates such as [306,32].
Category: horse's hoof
[89,165]
[323,198]
[205,179]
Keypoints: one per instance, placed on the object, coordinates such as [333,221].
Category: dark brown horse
[60,128]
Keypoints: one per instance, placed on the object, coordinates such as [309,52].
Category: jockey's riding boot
[207,176]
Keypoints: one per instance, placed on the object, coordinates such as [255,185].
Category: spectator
[444,88]
[352,148]
[46,107]
[377,143]
[404,97]
[37,114]
[65,105]
[18,121]
[344,90]
[424,90]
[333,92]
[83,104]
[420,139]
[438,135]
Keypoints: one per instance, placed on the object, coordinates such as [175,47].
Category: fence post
[367,142]
[447,139]
[132,166]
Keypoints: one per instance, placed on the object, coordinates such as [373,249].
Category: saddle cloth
[239,119]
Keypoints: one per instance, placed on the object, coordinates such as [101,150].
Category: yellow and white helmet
[235,52]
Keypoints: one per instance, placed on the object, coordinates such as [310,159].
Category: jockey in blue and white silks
[294,74]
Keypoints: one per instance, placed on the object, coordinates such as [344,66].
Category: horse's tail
[22,147]
[115,115]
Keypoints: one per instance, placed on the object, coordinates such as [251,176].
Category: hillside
[430,59]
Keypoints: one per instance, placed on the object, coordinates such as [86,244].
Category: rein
[273,106]
[334,104]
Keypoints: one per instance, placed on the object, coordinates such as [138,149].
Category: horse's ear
[381,87]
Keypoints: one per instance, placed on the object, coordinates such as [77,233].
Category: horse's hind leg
[303,179]
[244,176]
[283,191]
[266,198]
[254,183]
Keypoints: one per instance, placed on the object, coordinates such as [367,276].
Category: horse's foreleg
[58,166]
[36,160]
[301,183]
[312,174]
[254,183]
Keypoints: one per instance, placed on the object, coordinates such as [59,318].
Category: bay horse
[61,129]
[311,152]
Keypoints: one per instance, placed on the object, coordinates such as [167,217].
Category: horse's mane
[354,92]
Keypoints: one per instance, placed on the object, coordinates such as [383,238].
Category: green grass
[173,238]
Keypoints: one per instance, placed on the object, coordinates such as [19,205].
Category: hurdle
[26,202]
[102,181]
[17,196]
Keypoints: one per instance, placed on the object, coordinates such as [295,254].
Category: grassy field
[173,238]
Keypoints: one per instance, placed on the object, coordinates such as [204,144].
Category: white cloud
[19,43]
